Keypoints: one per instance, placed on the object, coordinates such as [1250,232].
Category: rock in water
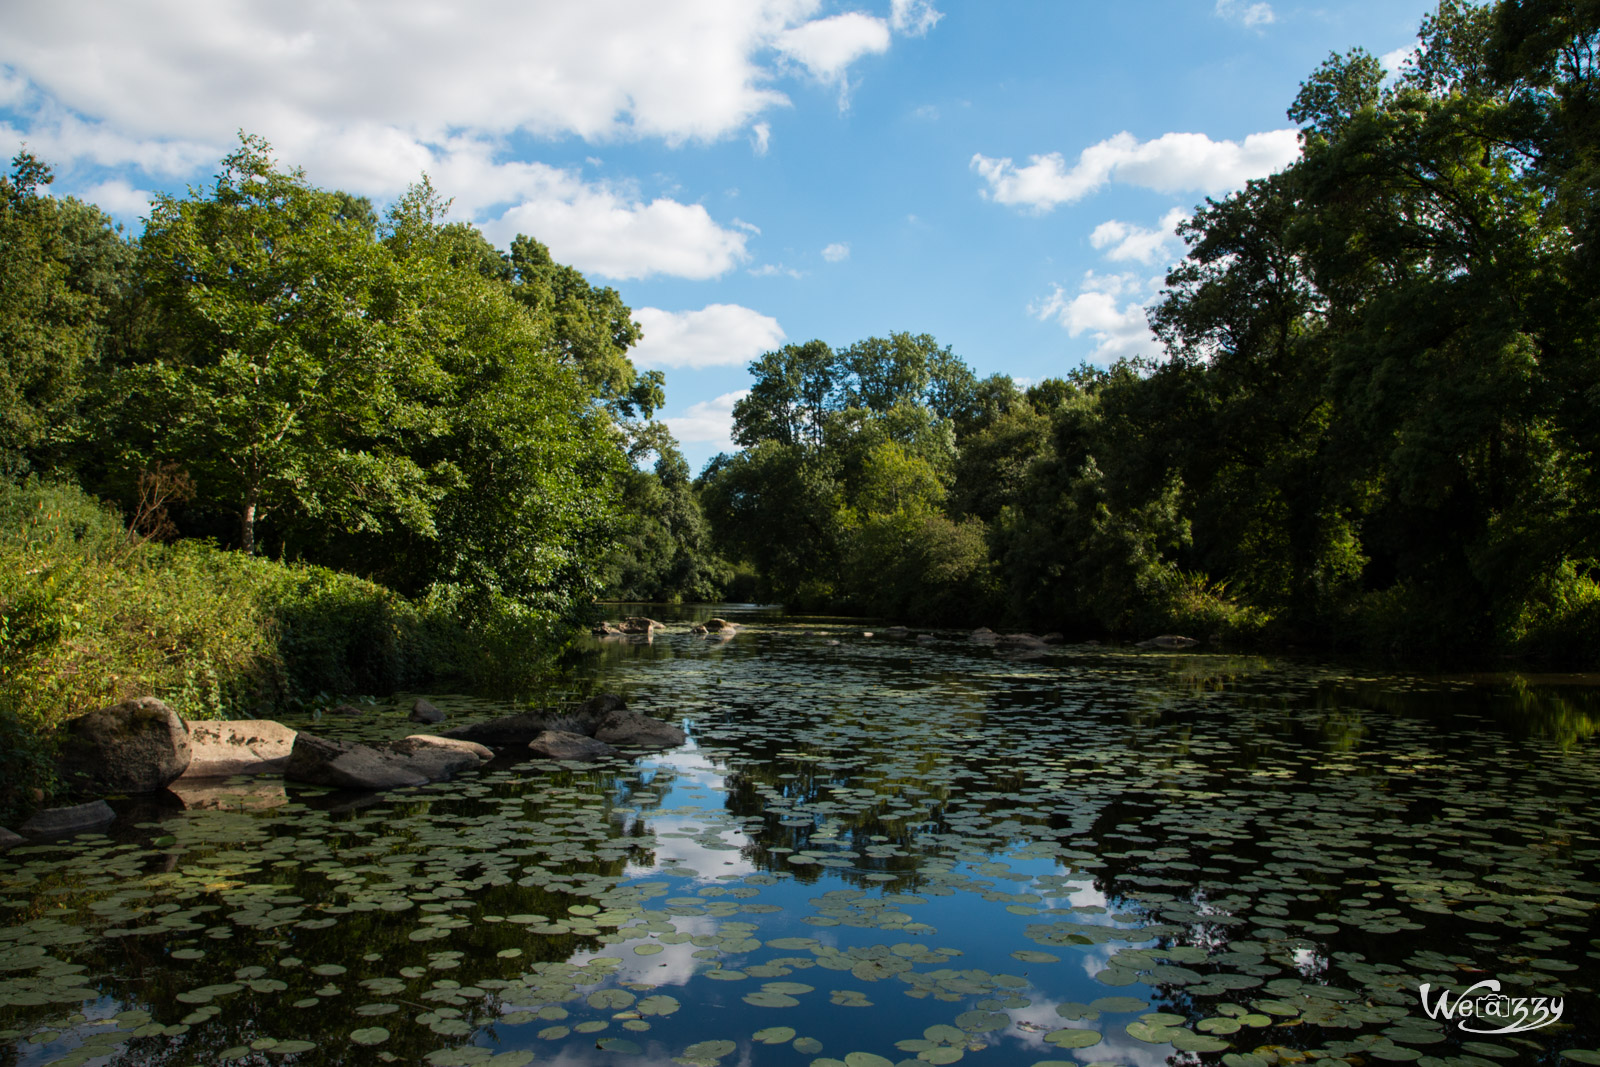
[411,761]
[717,626]
[631,728]
[599,706]
[138,746]
[53,822]
[240,746]
[422,711]
[560,744]
[508,730]
[9,840]
[1168,641]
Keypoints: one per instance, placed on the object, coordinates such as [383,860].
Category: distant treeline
[1374,426]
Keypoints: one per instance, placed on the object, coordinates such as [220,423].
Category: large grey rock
[1168,641]
[411,761]
[508,730]
[632,728]
[9,840]
[561,744]
[423,711]
[138,746]
[53,822]
[240,746]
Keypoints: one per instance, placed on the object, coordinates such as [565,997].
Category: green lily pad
[774,1035]
[1072,1037]
[370,1035]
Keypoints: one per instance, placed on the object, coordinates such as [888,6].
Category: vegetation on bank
[1374,425]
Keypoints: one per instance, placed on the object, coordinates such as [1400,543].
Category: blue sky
[1003,174]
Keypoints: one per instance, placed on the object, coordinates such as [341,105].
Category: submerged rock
[508,730]
[638,624]
[347,709]
[215,795]
[562,744]
[53,822]
[423,711]
[718,626]
[600,705]
[632,728]
[9,840]
[240,746]
[138,746]
[1168,641]
[411,761]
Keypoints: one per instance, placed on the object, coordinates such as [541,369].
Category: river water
[873,850]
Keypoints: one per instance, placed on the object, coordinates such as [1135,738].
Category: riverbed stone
[563,744]
[639,624]
[717,626]
[424,711]
[240,746]
[55,822]
[1168,641]
[437,757]
[215,794]
[9,840]
[642,731]
[346,765]
[137,746]
[506,731]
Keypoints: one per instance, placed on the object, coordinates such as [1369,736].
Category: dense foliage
[1374,424]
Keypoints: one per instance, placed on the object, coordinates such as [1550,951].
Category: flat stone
[240,746]
[9,840]
[211,794]
[561,744]
[54,822]
[346,765]
[437,757]
[138,746]
[508,730]
[632,728]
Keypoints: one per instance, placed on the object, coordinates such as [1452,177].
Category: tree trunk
[247,525]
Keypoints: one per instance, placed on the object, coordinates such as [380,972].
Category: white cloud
[913,17]
[1252,16]
[1394,61]
[117,197]
[773,270]
[720,335]
[674,69]
[760,138]
[1109,307]
[835,252]
[1129,242]
[708,422]
[1171,163]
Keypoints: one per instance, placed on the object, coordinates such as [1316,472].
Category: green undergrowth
[89,617]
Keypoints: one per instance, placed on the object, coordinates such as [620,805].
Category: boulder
[632,728]
[423,711]
[242,746]
[600,705]
[138,746]
[347,709]
[508,730]
[1021,640]
[54,822]
[925,639]
[560,744]
[1168,641]
[897,631]
[717,626]
[1054,637]
[638,624]
[411,761]
[604,629]
[9,840]
[698,629]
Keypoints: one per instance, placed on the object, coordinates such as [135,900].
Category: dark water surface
[871,852]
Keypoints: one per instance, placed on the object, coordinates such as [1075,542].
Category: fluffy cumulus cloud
[367,96]
[1124,241]
[708,422]
[119,198]
[1252,16]
[719,335]
[1171,163]
[1111,309]
[836,252]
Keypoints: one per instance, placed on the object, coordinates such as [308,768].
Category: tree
[284,378]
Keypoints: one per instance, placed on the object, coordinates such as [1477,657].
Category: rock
[1053,638]
[604,629]
[422,711]
[897,631]
[437,757]
[560,744]
[925,639]
[9,840]
[242,746]
[138,746]
[346,765]
[347,709]
[213,795]
[833,641]
[508,730]
[868,633]
[638,624]
[53,822]
[698,629]
[717,626]
[1168,641]
[632,728]
[1021,640]
[600,705]
[411,761]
